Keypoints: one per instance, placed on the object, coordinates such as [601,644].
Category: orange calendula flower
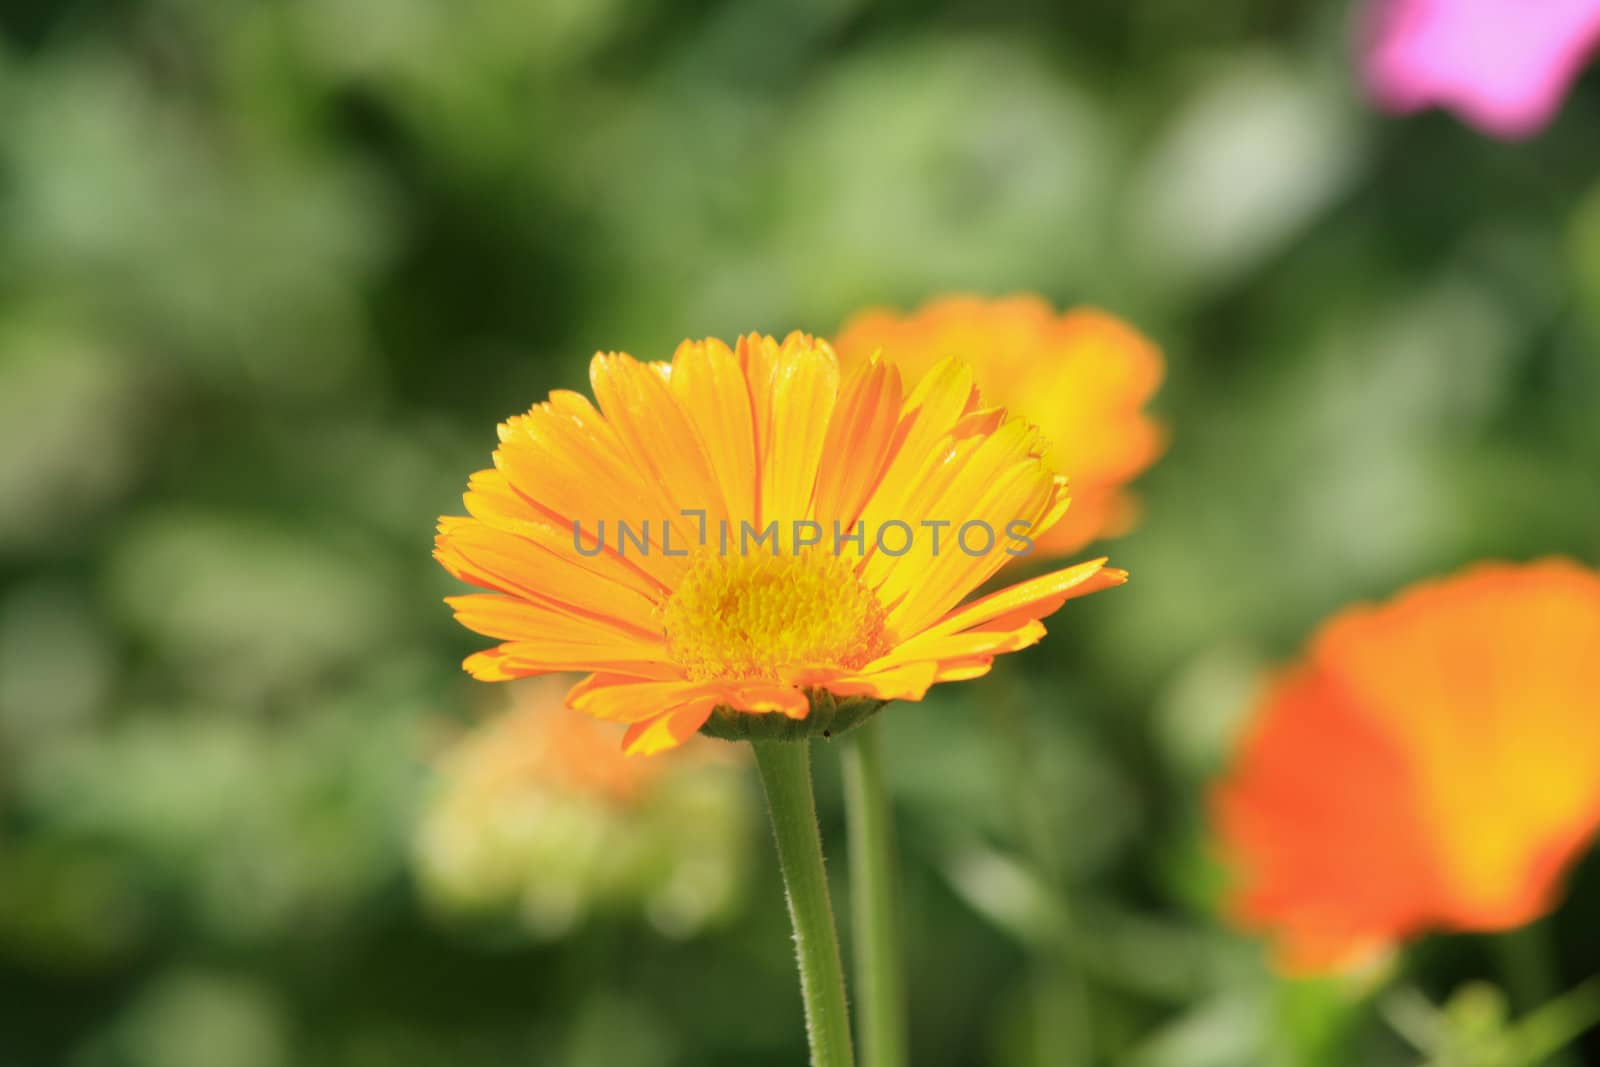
[1433,762]
[1083,376]
[536,813]
[744,531]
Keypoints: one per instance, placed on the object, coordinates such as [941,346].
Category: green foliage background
[271,272]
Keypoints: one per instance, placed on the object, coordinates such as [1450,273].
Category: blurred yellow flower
[1082,376]
[745,530]
[1432,762]
[539,812]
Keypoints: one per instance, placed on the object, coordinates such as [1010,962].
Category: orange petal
[491,500]
[1001,484]
[491,665]
[967,645]
[711,389]
[804,389]
[763,698]
[909,681]
[493,559]
[568,462]
[628,699]
[964,670]
[1464,710]
[660,442]
[669,730]
[1035,598]
[516,619]
[860,443]
[1327,866]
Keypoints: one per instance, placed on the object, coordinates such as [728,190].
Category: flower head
[1082,376]
[1504,65]
[537,812]
[1432,762]
[745,530]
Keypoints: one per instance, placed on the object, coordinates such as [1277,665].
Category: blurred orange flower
[538,811]
[536,742]
[687,615]
[1432,762]
[1082,376]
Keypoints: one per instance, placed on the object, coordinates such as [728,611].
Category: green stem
[1544,1036]
[1527,962]
[872,897]
[786,774]
[1532,977]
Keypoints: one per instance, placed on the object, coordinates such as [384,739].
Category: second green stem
[876,933]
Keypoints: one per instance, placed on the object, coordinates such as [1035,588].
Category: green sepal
[830,716]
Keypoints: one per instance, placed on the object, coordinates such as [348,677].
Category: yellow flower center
[760,615]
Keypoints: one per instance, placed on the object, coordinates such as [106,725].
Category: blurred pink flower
[1503,65]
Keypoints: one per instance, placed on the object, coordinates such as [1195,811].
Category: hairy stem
[786,774]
